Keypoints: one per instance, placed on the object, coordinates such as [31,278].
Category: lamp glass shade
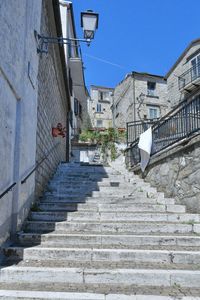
[89,22]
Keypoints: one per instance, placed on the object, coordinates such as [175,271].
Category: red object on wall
[59,130]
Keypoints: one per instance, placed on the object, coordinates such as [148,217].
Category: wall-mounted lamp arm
[44,41]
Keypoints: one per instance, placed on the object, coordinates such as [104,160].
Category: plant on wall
[106,139]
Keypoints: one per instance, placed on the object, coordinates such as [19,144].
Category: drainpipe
[134,104]
[67,137]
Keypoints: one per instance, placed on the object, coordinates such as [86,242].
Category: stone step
[171,242]
[41,295]
[108,201]
[111,227]
[110,257]
[119,193]
[104,192]
[99,264]
[96,192]
[105,183]
[101,184]
[122,215]
[53,295]
[62,206]
[101,277]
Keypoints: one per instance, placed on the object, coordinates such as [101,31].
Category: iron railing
[8,189]
[39,163]
[189,76]
[30,173]
[180,123]
[134,129]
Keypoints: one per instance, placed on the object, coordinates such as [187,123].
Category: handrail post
[127,134]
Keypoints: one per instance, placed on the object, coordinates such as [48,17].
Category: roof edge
[181,56]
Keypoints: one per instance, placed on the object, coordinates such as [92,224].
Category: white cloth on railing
[145,144]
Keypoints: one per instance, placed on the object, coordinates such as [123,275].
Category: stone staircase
[100,233]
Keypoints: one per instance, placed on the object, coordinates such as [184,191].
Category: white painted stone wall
[83,152]
[18,107]
[106,113]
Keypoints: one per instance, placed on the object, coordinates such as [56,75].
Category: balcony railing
[189,77]
[134,129]
[180,123]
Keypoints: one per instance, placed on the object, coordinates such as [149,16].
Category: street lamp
[89,22]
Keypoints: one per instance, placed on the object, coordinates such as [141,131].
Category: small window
[80,110]
[151,87]
[153,112]
[99,123]
[76,106]
[103,95]
[98,107]
[195,63]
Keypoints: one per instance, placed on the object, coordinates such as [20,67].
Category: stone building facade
[35,97]
[183,79]
[99,106]
[53,100]
[139,96]
[78,115]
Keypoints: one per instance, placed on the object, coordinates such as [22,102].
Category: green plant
[35,207]
[105,139]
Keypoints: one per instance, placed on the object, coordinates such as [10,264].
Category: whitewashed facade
[99,106]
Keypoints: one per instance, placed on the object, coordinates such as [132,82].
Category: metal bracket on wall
[44,41]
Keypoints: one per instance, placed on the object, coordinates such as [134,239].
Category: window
[98,107]
[103,95]
[80,110]
[195,67]
[99,123]
[71,118]
[76,107]
[153,112]
[151,87]
[70,84]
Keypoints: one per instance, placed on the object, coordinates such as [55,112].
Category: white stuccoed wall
[18,107]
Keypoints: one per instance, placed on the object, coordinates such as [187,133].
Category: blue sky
[136,35]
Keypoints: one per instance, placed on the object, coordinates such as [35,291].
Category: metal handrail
[39,163]
[189,76]
[178,124]
[30,173]
[8,189]
[135,128]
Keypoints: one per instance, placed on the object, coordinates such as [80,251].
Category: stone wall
[128,106]
[52,104]
[123,99]
[18,109]
[83,152]
[176,172]
[183,65]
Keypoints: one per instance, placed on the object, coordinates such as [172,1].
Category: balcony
[190,80]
